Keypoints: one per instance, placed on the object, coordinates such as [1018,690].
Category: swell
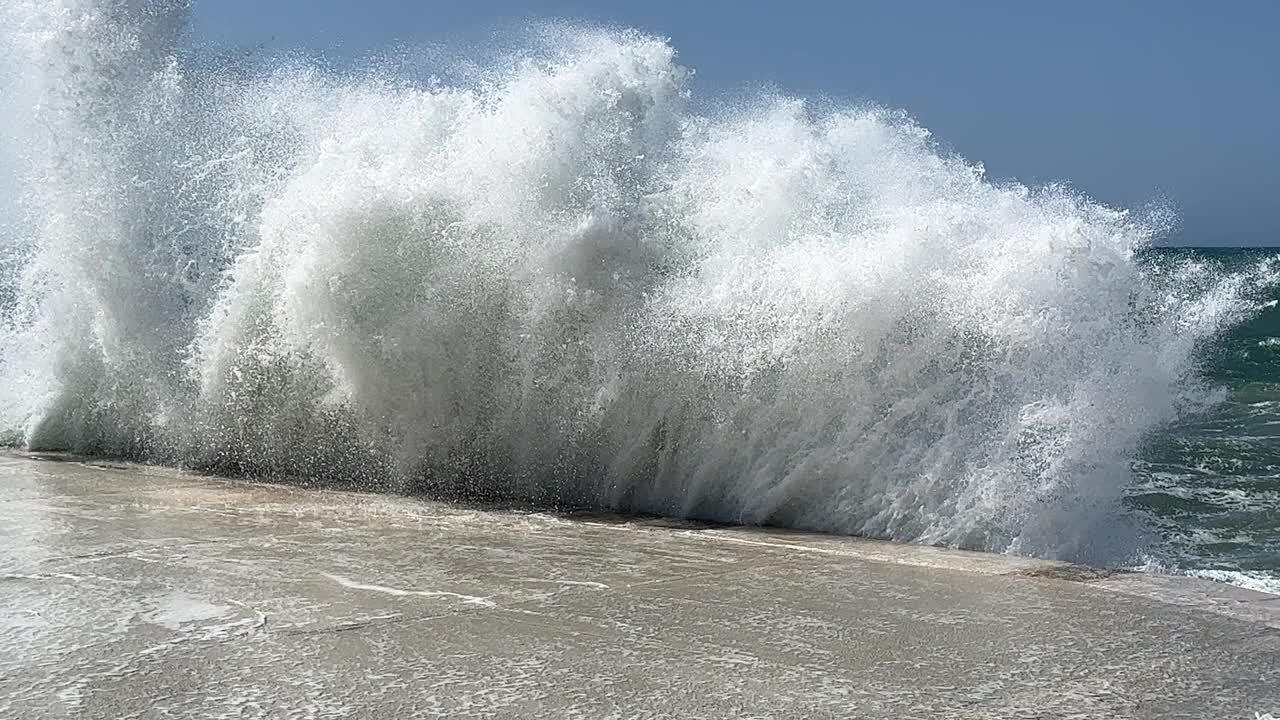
[552,280]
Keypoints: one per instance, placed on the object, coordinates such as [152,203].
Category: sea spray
[554,281]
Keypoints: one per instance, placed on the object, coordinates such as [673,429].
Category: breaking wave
[548,277]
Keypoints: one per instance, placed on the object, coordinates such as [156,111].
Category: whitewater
[551,275]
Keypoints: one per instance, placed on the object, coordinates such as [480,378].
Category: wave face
[548,278]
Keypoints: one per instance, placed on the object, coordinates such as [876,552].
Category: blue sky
[1128,100]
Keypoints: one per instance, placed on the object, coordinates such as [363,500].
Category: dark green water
[1211,483]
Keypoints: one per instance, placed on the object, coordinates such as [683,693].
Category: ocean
[552,275]
[1210,482]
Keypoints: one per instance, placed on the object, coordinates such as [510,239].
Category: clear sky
[1129,100]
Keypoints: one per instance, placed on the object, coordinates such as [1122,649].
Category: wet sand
[141,592]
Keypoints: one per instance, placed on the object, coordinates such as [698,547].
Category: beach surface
[140,592]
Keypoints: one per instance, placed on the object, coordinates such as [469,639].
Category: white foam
[1261,582]
[180,609]
[399,592]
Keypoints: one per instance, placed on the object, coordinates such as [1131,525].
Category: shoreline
[1182,588]
[139,591]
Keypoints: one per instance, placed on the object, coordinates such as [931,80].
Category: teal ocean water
[1211,481]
